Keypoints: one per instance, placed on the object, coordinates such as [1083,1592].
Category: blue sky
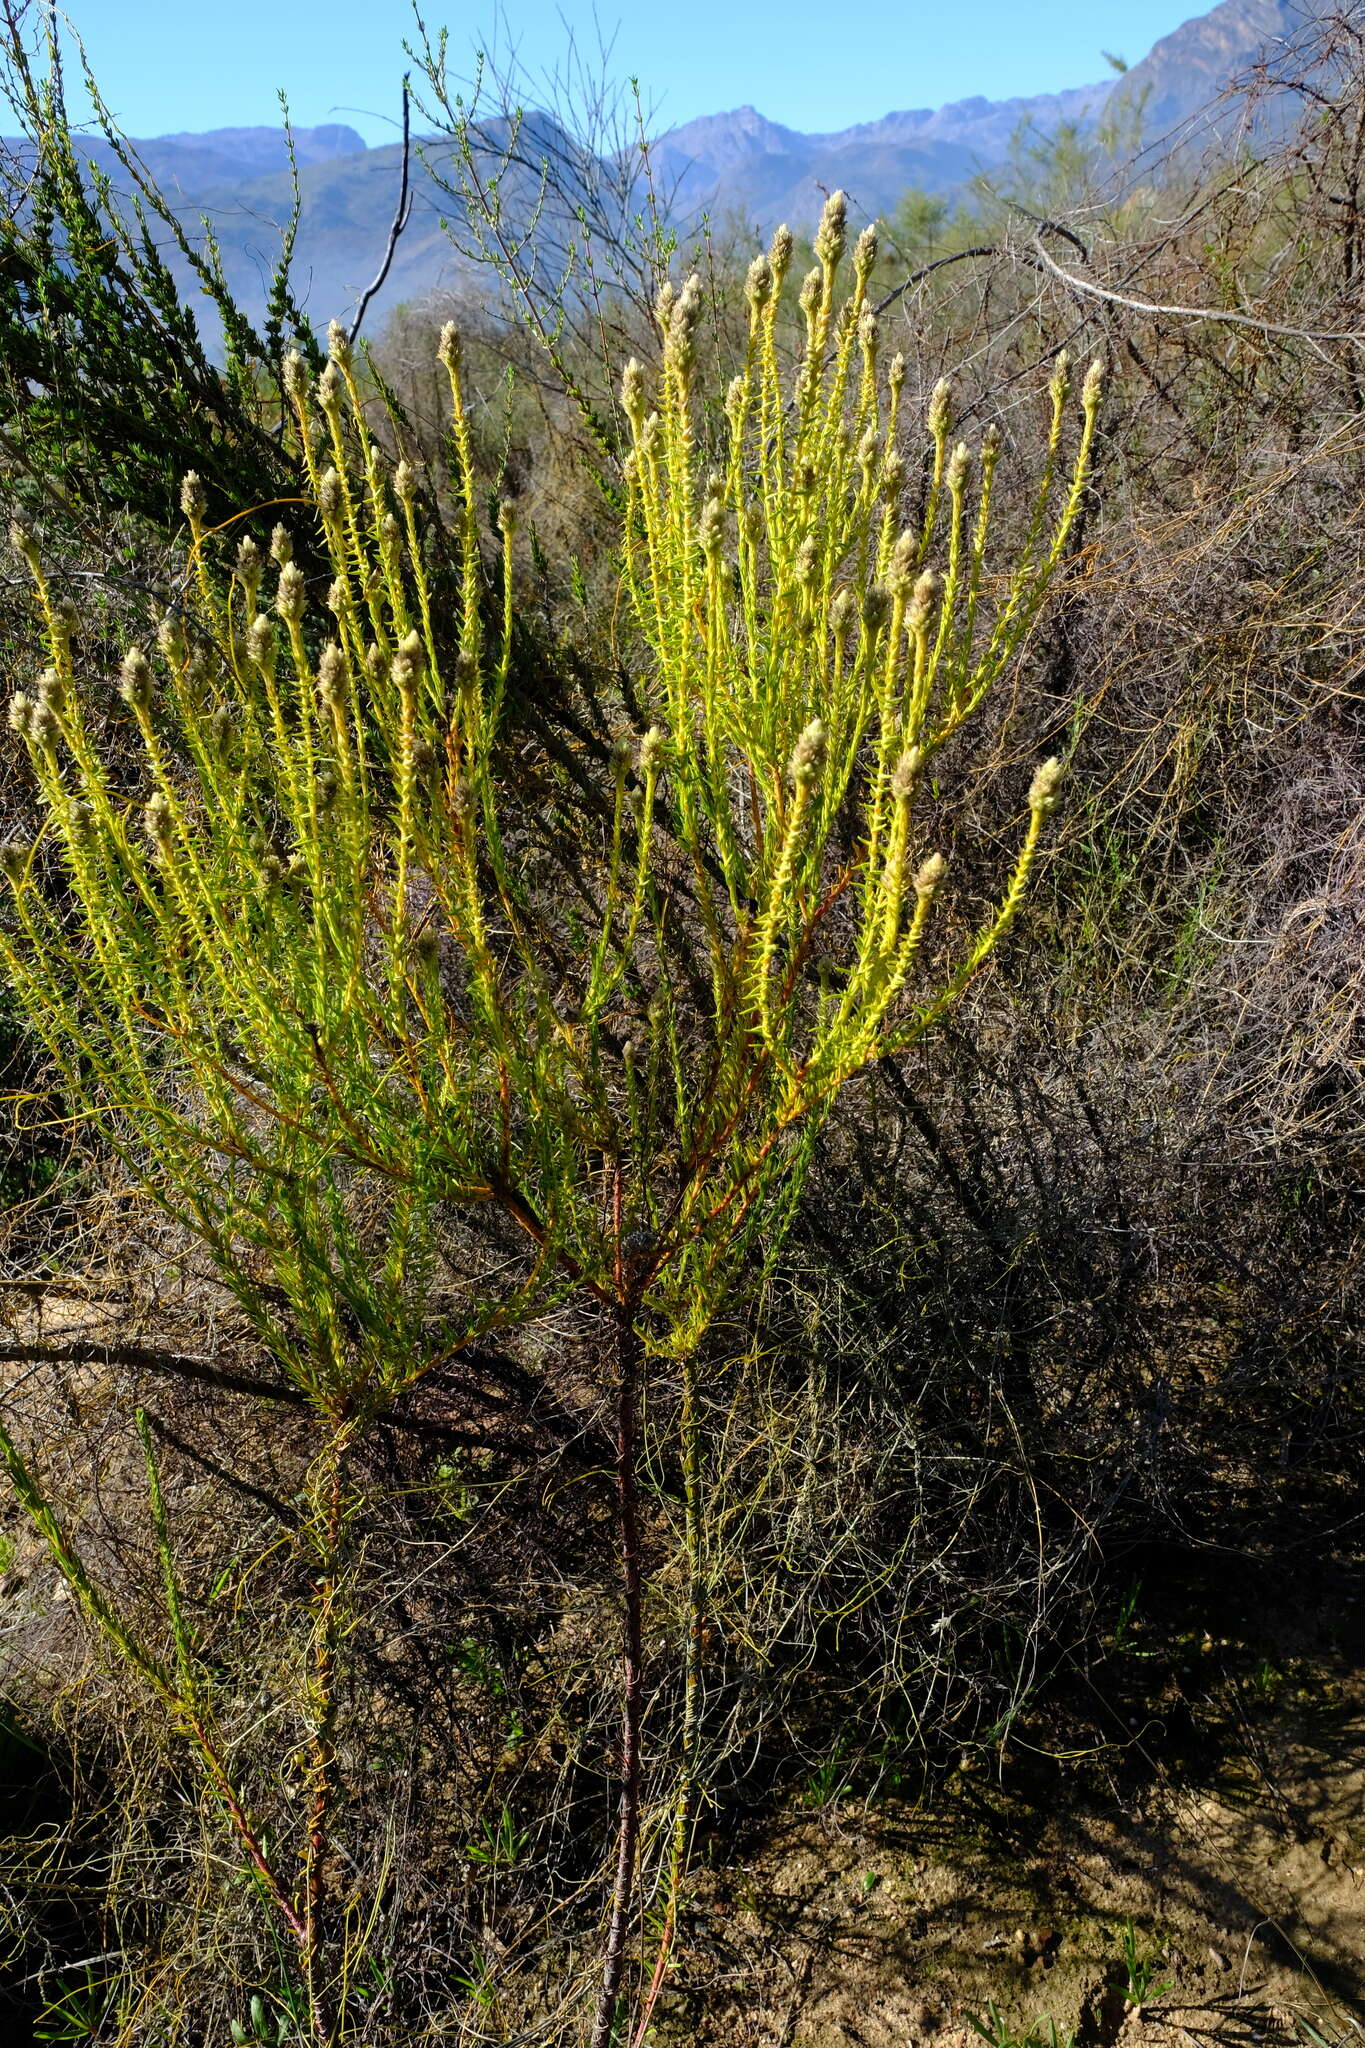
[164,65]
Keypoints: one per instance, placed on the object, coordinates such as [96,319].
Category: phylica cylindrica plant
[290,969]
[247,965]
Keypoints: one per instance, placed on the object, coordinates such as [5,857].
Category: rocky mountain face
[739,166]
[745,165]
[1185,72]
[194,164]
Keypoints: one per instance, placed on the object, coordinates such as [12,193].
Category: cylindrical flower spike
[170,638]
[290,596]
[42,727]
[1047,781]
[260,641]
[758,285]
[157,821]
[680,342]
[876,609]
[24,545]
[808,755]
[331,674]
[833,228]
[15,856]
[329,495]
[135,683]
[450,347]
[925,595]
[905,774]
[930,875]
[409,659]
[633,393]
[807,562]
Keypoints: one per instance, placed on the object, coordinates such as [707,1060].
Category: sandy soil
[1197,1793]
[1223,1835]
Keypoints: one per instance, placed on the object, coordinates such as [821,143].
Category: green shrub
[297,950]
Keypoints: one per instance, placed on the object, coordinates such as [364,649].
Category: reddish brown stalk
[245,1832]
[324,1755]
[524,1216]
[656,1982]
[627,1350]
[802,951]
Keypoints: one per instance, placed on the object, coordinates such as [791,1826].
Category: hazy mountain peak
[723,139]
[266,146]
[204,162]
[739,164]
[1192,65]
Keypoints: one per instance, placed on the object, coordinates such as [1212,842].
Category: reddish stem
[627,1361]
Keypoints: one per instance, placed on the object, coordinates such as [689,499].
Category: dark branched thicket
[110,392]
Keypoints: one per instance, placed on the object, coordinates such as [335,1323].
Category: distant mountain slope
[194,165]
[737,165]
[1186,69]
[742,163]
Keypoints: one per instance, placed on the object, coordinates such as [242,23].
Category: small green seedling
[998,2032]
[264,2027]
[502,1844]
[828,1782]
[1143,1966]
[78,2009]
[478,1983]
[273,2020]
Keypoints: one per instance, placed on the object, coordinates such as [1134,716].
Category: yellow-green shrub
[310,978]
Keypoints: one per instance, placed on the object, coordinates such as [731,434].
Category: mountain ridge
[738,165]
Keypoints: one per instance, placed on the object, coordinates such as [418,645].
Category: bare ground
[1210,1816]
[1196,1793]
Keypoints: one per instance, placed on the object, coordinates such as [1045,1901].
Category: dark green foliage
[108,387]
